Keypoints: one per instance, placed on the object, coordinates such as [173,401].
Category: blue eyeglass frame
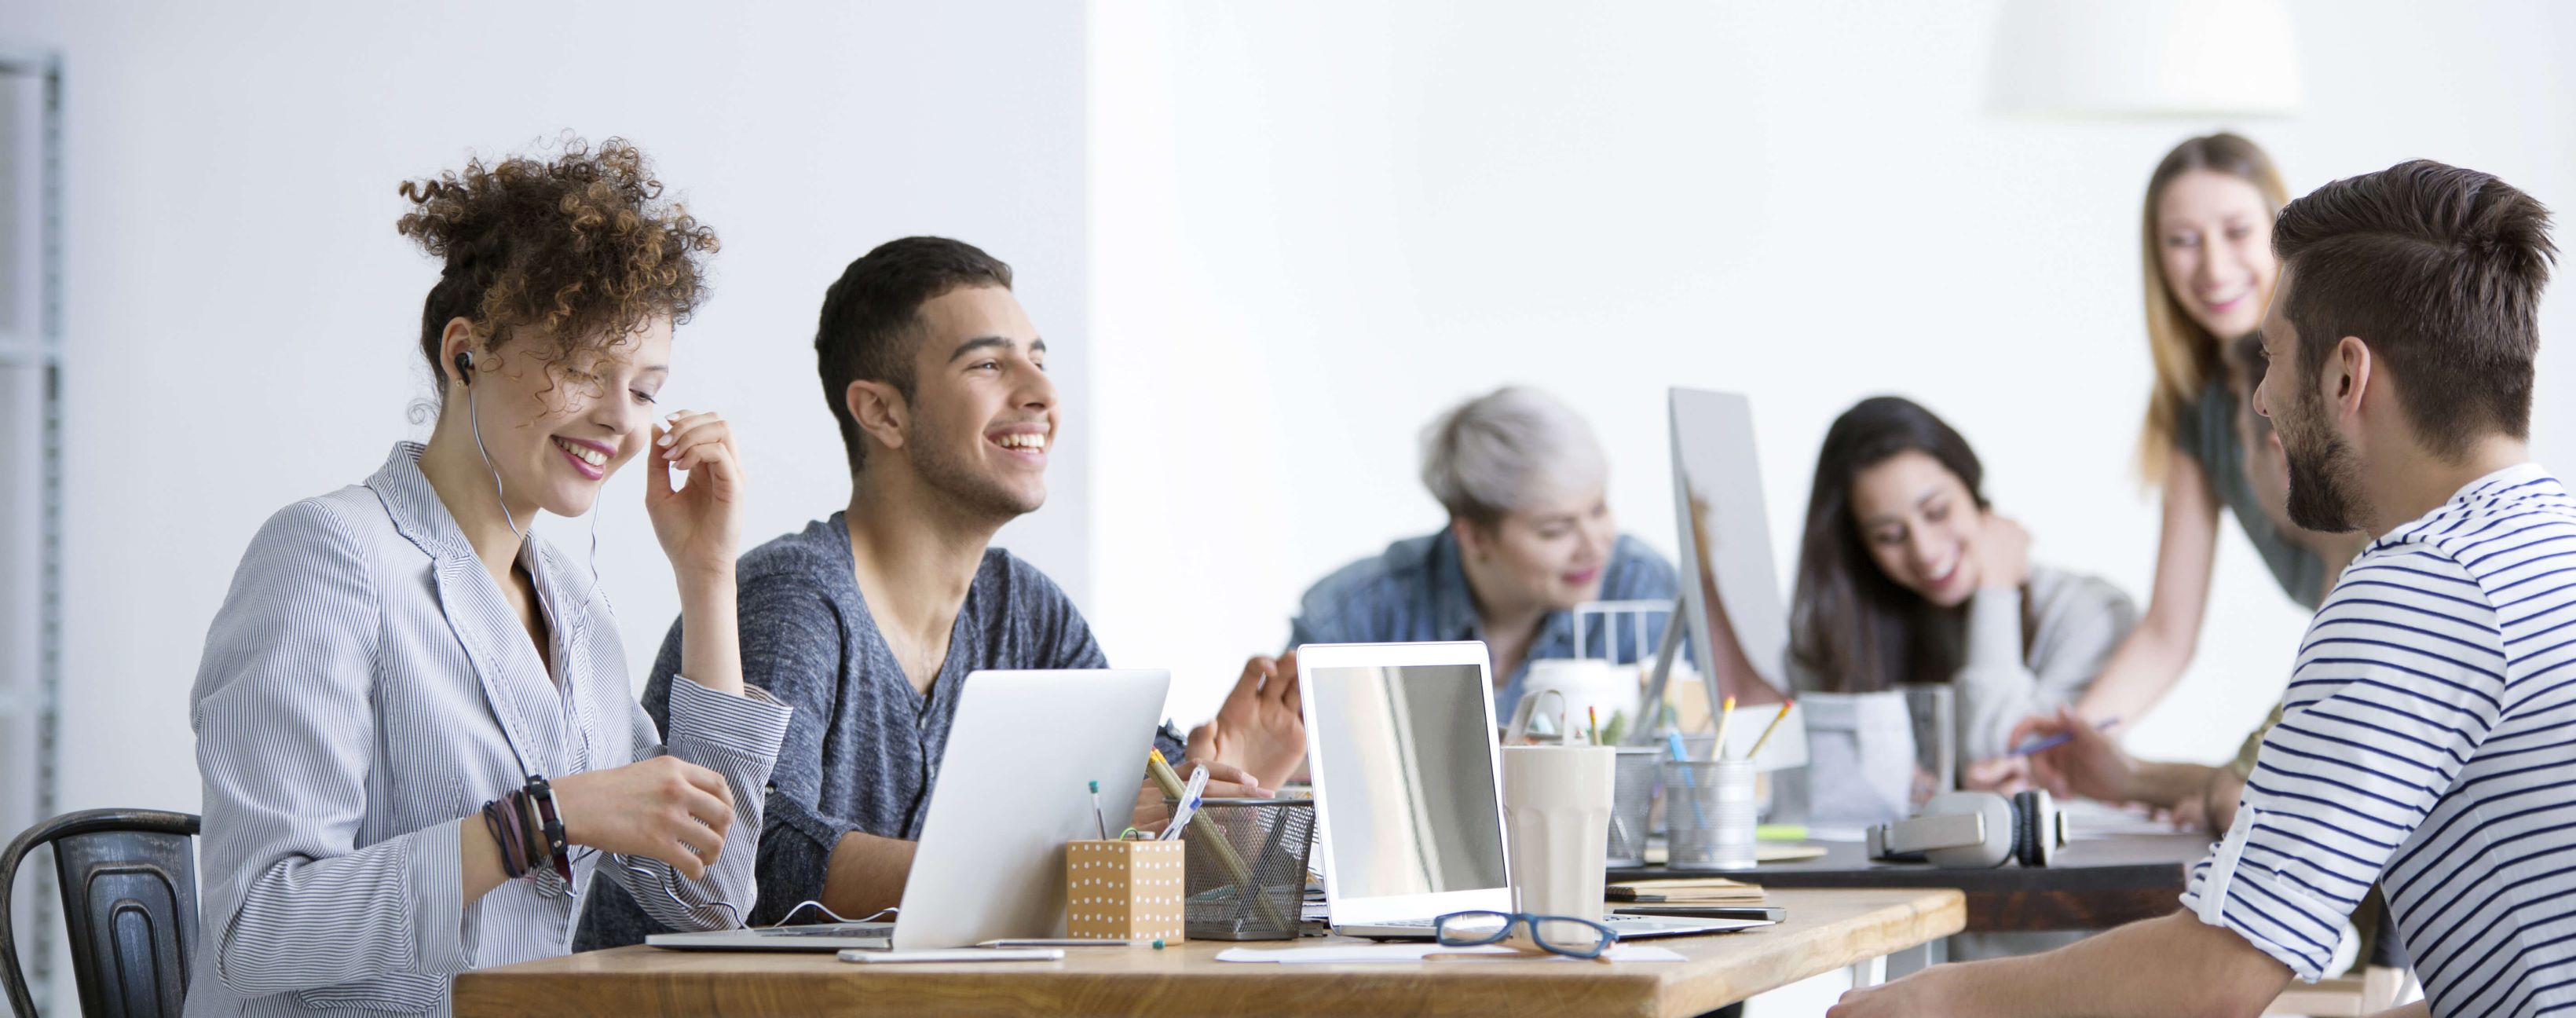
[1515,920]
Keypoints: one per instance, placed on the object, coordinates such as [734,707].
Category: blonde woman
[2207,251]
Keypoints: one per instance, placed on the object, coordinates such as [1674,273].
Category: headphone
[1974,830]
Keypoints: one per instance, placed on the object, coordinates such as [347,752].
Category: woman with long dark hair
[1907,575]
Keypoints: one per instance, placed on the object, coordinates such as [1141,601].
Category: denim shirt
[1417,591]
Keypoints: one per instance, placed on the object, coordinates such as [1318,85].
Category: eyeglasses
[1555,934]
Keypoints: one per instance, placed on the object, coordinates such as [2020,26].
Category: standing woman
[413,717]
[2209,268]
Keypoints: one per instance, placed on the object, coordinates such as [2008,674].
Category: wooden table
[2093,884]
[1827,930]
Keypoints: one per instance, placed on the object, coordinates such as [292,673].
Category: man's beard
[970,491]
[2324,473]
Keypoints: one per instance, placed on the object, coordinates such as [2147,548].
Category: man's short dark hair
[2440,270]
[872,317]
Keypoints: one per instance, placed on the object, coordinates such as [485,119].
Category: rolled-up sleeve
[2397,686]
[285,741]
[737,737]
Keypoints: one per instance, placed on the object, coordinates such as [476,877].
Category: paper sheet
[1406,952]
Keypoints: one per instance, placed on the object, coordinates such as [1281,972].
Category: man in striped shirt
[2428,740]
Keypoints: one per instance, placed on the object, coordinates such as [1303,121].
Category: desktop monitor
[1730,586]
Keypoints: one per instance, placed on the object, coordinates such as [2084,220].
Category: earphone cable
[498,494]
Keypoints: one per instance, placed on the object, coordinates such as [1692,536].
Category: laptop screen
[1406,753]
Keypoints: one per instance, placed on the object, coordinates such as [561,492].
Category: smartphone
[1773,913]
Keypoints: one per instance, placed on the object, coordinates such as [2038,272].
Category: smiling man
[868,622]
[2424,739]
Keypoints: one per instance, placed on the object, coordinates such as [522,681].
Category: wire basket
[1632,803]
[1244,868]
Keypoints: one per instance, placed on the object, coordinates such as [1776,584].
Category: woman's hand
[2003,775]
[2088,764]
[699,525]
[2003,553]
[664,808]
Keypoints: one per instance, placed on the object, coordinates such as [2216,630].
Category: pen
[1770,728]
[1097,816]
[1681,755]
[1190,799]
[2059,739]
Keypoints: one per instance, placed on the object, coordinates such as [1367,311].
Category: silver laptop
[1408,789]
[1013,786]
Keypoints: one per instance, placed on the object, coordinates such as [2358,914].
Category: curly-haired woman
[413,717]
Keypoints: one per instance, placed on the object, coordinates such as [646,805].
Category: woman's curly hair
[569,257]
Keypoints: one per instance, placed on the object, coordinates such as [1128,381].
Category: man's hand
[2164,966]
[1225,781]
[1925,994]
[1261,728]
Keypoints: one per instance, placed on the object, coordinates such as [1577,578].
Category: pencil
[1595,713]
[1770,728]
[1725,717]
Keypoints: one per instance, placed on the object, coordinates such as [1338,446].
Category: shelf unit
[31,473]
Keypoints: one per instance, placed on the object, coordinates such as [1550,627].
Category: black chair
[129,882]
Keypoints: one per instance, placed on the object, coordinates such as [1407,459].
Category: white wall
[1297,231]
[1314,226]
[242,316]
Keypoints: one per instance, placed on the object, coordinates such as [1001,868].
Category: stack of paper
[1694,891]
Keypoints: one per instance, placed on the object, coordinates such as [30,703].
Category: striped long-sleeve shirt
[2428,743]
[364,688]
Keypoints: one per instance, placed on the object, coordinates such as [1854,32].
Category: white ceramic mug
[1556,809]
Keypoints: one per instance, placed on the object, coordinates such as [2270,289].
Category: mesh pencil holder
[1244,871]
[1632,803]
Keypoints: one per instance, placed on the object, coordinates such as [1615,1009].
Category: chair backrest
[129,883]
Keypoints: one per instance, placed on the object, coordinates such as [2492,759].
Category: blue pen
[1681,755]
[2059,739]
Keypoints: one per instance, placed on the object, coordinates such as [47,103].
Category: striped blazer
[364,688]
